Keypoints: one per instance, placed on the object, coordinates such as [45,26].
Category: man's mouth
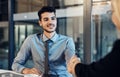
[50,25]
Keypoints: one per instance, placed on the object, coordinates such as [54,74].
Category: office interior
[88,22]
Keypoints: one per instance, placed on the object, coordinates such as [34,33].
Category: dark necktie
[47,46]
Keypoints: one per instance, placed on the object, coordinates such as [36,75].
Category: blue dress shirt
[62,48]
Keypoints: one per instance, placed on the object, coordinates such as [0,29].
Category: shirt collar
[54,38]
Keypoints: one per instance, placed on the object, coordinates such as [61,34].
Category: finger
[35,71]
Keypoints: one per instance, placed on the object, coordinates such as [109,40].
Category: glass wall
[69,21]
[104,31]
[4,34]
[3,10]
[4,45]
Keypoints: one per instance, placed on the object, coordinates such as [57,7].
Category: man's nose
[50,20]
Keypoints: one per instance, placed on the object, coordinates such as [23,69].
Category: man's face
[48,22]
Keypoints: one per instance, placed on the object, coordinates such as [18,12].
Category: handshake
[72,63]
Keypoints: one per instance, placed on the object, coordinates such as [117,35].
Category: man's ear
[40,23]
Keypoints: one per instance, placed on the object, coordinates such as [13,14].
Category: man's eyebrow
[45,18]
[53,16]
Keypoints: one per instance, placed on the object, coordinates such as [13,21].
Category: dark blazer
[109,66]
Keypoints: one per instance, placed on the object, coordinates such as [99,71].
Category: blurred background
[88,22]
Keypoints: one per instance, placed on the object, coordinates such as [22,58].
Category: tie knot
[48,41]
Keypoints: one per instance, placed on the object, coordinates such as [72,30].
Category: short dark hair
[46,9]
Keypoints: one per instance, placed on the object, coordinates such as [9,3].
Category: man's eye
[53,18]
[46,19]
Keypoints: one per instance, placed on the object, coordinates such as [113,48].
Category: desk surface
[8,73]
[5,71]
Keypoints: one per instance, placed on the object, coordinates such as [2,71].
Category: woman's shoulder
[117,43]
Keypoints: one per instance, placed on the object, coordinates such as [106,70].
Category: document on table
[32,75]
[8,73]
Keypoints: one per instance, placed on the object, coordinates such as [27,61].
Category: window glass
[104,31]
[4,45]
[3,10]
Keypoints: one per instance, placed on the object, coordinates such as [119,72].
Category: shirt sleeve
[22,56]
[70,50]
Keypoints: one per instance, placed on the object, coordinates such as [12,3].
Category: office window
[103,29]
[4,45]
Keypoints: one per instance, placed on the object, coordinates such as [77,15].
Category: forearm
[79,70]
[17,67]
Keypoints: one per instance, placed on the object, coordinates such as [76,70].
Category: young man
[61,48]
[109,66]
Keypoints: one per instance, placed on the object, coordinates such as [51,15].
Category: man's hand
[72,63]
[31,71]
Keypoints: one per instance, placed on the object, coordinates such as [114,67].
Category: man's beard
[48,31]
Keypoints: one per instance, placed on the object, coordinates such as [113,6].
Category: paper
[32,75]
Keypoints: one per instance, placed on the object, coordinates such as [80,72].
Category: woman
[109,66]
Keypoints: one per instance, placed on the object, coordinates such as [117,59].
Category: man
[109,66]
[60,51]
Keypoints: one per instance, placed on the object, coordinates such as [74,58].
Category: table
[8,73]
